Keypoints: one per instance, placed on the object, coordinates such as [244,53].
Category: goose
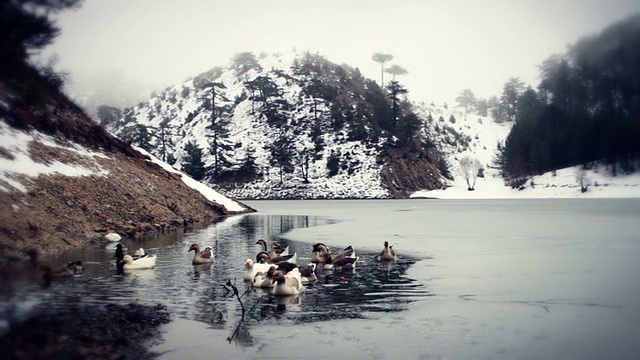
[201,257]
[264,258]
[287,285]
[147,262]
[140,253]
[119,252]
[276,249]
[264,279]
[76,266]
[119,255]
[251,269]
[343,263]
[112,236]
[307,272]
[388,254]
[321,250]
[60,272]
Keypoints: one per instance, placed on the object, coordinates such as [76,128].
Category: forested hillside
[287,126]
[586,108]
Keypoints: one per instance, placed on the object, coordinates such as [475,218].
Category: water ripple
[198,292]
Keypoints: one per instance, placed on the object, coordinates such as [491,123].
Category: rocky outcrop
[405,172]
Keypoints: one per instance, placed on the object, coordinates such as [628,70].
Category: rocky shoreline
[93,332]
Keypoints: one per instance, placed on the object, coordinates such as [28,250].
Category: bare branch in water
[233,290]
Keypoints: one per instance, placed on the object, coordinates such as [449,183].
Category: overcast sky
[446,45]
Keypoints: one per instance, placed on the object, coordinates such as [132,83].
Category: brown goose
[201,257]
[61,272]
[388,254]
[342,263]
[287,285]
[320,251]
[276,249]
[264,258]
[307,272]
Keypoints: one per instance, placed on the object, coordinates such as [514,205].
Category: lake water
[481,279]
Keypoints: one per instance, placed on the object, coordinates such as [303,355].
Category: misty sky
[446,46]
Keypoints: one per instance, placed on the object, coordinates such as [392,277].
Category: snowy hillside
[180,115]
[459,134]
[181,110]
[18,168]
[477,137]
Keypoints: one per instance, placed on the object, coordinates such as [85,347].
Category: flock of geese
[274,269]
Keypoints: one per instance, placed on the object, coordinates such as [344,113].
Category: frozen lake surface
[481,279]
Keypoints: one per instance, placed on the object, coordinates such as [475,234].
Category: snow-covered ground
[15,159]
[483,135]
[16,164]
[563,184]
[203,189]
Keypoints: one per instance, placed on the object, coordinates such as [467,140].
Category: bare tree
[469,169]
[382,59]
[583,180]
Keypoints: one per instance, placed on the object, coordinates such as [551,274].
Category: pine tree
[282,154]
[396,70]
[165,137]
[498,160]
[139,135]
[466,99]
[333,163]
[382,59]
[249,167]
[395,91]
[192,163]
[29,24]
[511,92]
[218,127]
[408,126]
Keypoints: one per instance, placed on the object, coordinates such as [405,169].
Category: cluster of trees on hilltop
[336,97]
[586,108]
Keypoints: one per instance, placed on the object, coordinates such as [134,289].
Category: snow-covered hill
[181,111]
[477,137]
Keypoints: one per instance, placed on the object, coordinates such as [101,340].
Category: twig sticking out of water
[229,287]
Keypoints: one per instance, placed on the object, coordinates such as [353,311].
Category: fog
[446,46]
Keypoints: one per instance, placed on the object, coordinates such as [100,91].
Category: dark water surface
[200,292]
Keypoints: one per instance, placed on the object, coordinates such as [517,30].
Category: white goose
[113,237]
[147,262]
[289,284]
[251,269]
